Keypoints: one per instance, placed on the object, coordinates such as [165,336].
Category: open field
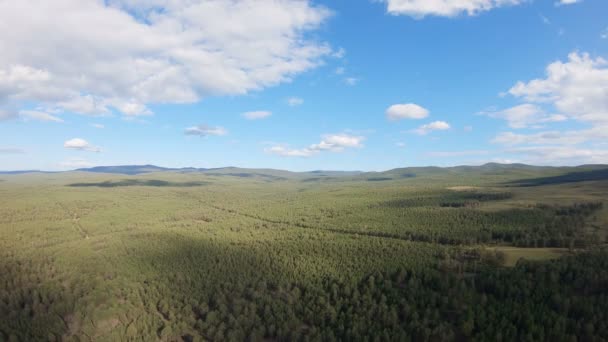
[512,255]
[270,255]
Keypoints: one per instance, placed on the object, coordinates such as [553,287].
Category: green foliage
[234,256]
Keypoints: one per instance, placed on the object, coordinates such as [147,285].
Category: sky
[302,85]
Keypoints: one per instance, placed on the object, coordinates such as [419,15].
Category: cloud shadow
[572,177]
[139,182]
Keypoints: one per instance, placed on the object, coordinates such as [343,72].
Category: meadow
[424,254]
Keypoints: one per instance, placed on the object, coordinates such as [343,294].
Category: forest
[495,252]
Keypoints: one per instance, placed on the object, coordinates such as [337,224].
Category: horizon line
[87,169]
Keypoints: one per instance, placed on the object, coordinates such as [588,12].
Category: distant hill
[329,173]
[20,172]
[406,172]
[497,167]
[522,171]
[571,177]
[268,174]
[126,169]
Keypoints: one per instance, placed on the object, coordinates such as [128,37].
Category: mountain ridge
[233,170]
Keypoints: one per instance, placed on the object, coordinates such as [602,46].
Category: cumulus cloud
[329,142]
[294,101]
[257,115]
[337,142]
[93,57]
[445,8]
[525,115]
[204,130]
[80,144]
[406,111]
[87,105]
[39,116]
[577,88]
[433,126]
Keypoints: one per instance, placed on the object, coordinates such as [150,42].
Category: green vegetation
[512,255]
[231,254]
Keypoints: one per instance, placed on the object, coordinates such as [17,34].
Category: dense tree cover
[188,257]
[454,220]
[562,300]
[564,226]
[566,299]
[571,177]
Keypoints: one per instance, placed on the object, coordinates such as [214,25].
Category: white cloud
[567,2]
[6,114]
[85,104]
[131,108]
[80,144]
[287,152]
[257,115]
[99,126]
[204,130]
[17,80]
[433,126]
[444,8]
[351,81]
[604,34]
[39,116]
[294,101]
[573,137]
[340,71]
[92,57]
[337,142]
[406,111]
[400,144]
[560,155]
[525,115]
[577,88]
[329,142]
[340,53]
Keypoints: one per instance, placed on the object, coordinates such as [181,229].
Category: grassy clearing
[514,254]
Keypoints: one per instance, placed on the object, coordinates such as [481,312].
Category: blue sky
[302,85]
